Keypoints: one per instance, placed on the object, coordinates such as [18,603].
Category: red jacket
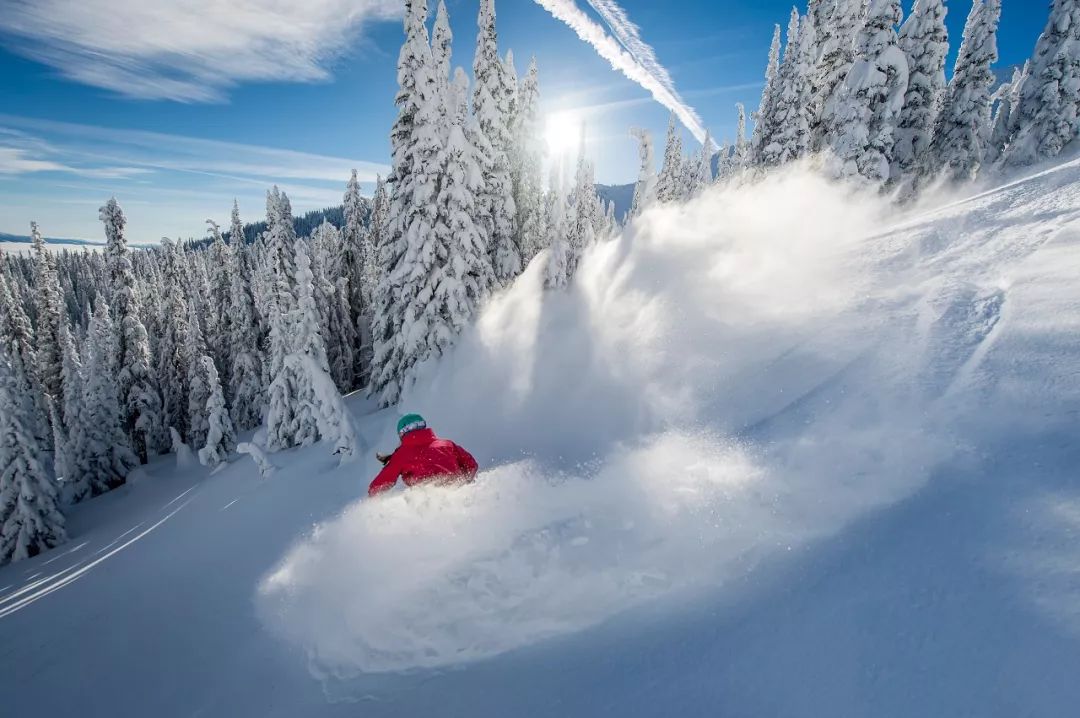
[424,457]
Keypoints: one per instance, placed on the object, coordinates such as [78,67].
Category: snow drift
[725,382]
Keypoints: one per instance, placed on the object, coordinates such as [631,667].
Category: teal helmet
[410,422]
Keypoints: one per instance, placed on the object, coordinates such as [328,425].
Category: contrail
[622,60]
[629,34]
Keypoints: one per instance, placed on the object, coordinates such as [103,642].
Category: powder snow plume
[647,435]
[651,76]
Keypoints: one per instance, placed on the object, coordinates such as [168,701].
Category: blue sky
[177,108]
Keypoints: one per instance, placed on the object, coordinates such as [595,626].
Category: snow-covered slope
[777,453]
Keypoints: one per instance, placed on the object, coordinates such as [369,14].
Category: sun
[562,132]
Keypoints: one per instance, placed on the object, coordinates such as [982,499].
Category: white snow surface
[779,452]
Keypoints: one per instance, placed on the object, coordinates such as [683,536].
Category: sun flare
[562,133]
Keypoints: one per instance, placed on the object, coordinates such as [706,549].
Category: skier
[423,458]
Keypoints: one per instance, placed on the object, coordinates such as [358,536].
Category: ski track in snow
[68,552]
[776,453]
[178,497]
[63,578]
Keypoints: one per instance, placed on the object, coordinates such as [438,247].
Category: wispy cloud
[16,161]
[190,51]
[112,151]
[52,171]
[622,58]
[21,153]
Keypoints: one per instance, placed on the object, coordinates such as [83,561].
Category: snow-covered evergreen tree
[741,155]
[687,180]
[174,354]
[378,234]
[343,356]
[248,254]
[71,459]
[198,292]
[838,25]
[197,384]
[442,39]
[18,335]
[765,121]
[447,272]
[583,216]
[962,130]
[1004,101]
[556,273]
[30,520]
[61,460]
[281,244]
[246,391]
[218,318]
[597,210]
[148,284]
[872,98]
[528,169]
[355,251]
[698,170]
[416,143]
[332,298]
[50,321]
[138,396]
[460,285]
[611,224]
[669,184]
[510,90]
[789,135]
[1048,111]
[645,188]
[492,108]
[723,162]
[236,227]
[317,411]
[822,13]
[925,40]
[221,436]
[309,343]
[106,454]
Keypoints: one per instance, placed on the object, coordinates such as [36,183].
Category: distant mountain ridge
[62,242]
[306,223]
[621,195]
[25,239]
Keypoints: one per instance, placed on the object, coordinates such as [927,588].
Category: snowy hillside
[777,452]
